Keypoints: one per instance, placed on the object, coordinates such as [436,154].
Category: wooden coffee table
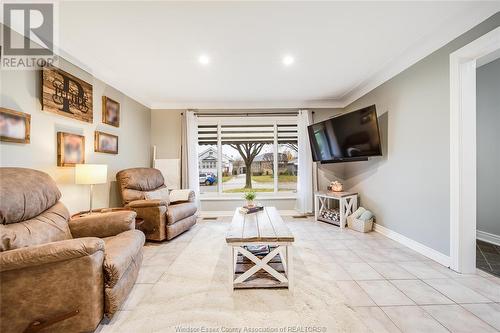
[271,270]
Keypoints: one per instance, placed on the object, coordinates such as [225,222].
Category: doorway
[488,164]
[463,149]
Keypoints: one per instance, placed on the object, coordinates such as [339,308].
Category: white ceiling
[150,50]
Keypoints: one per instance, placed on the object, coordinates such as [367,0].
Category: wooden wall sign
[66,95]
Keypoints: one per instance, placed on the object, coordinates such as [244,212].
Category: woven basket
[360,225]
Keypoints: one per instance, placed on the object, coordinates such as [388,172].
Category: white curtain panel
[184,152]
[192,152]
[305,167]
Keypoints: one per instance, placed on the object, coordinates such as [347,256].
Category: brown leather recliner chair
[162,219]
[57,276]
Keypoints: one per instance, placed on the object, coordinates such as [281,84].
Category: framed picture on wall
[110,112]
[14,126]
[105,143]
[70,149]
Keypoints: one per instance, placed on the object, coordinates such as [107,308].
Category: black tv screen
[350,136]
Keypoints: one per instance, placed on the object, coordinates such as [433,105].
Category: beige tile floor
[344,282]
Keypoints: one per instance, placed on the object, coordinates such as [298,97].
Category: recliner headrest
[25,193]
[140,179]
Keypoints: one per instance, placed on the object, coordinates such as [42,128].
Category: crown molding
[452,29]
[62,53]
[250,105]
[106,79]
[426,46]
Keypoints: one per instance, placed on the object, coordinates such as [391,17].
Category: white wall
[20,90]
[488,147]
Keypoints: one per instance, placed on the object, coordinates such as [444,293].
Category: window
[207,158]
[251,147]
[255,154]
[288,149]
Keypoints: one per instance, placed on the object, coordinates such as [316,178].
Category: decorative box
[360,225]
[355,222]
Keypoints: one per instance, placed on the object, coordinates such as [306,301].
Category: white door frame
[463,149]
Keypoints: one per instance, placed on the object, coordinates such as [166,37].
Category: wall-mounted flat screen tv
[352,136]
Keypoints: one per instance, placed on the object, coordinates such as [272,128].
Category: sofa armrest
[49,253]
[155,220]
[103,224]
[180,196]
[147,203]
[46,285]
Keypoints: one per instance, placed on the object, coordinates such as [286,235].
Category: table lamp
[91,174]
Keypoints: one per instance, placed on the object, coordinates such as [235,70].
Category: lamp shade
[91,174]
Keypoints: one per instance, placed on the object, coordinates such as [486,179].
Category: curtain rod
[247,114]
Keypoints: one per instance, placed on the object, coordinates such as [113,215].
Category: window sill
[291,196]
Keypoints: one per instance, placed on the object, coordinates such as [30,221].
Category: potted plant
[250,197]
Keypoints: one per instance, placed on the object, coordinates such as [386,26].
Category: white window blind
[207,134]
[252,133]
[287,134]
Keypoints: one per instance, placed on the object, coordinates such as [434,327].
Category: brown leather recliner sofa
[55,275]
[162,219]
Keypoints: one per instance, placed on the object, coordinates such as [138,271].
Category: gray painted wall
[408,187]
[488,147]
[20,91]
[166,131]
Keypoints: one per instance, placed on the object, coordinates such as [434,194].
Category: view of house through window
[287,157]
[260,158]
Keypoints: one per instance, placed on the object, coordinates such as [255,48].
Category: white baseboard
[223,213]
[414,245]
[291,212]
[215,213]
[487,237]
